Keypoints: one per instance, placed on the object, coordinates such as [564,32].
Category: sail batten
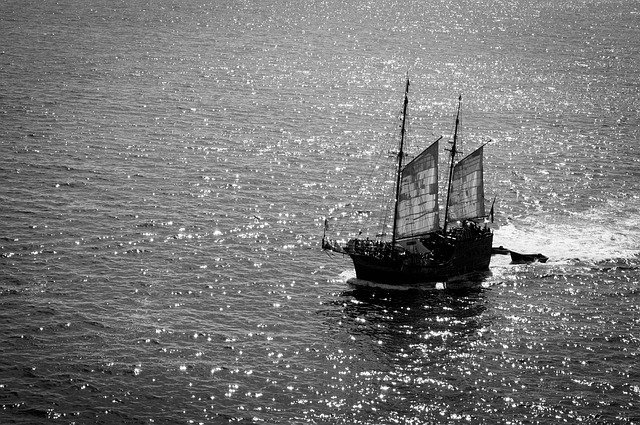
[467,191]
[418,195]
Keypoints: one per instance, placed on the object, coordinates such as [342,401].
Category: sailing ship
[421,250]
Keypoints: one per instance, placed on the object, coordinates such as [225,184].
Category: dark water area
[166,168]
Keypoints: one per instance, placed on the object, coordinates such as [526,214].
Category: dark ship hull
[463,256]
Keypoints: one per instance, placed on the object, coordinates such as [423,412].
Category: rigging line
[374,204]
[352,203]
[454,151]
[384,206]
[387,205]
[400,158]
[369,204]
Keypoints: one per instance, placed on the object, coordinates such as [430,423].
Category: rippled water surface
[167,167]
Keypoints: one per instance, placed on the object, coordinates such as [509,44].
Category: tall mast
[454,151]
[400,155]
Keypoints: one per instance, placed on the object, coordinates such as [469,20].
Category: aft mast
[400,155]
[453,151]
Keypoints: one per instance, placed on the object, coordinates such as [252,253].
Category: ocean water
[166,168]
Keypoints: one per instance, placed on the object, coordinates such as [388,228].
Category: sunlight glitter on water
[163,202]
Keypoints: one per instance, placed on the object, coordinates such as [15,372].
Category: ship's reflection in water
[414,319]
[416,350]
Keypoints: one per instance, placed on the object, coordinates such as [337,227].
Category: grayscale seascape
[166,169]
